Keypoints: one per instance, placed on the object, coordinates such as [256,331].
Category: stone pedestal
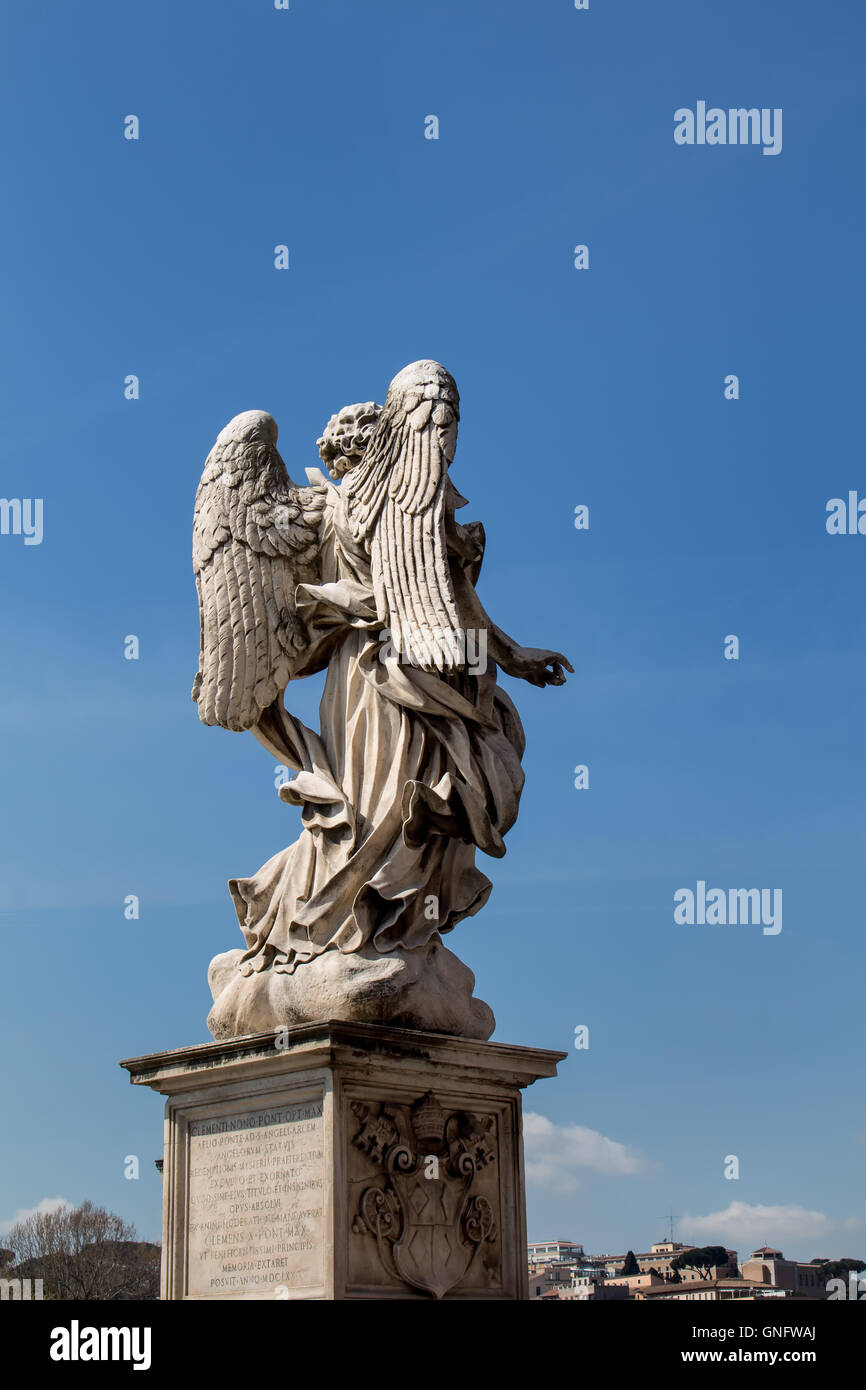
[343,1161]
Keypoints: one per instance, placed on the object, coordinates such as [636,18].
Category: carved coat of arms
[428,1224]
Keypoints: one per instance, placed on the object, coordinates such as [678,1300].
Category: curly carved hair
[344,439]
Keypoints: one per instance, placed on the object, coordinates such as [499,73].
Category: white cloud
[48,1204]
[742,1224]
[554,1152]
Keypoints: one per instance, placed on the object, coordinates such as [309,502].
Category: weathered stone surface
[256,1200]
[340,1161]
[428,988]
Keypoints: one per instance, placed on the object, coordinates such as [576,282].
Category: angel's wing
[255,537]
[395,502]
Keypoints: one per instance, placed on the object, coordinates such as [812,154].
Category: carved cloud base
[344,1161]
[427,988]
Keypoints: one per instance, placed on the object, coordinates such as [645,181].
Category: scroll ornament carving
[428,1224]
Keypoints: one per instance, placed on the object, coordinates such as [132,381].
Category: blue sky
[603,387]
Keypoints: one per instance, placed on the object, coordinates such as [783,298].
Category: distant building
[591,1286]
[633,1283]
[706,1291]
[660,1257]
[560,1269]
[573,1281]
[769,1268]
[545,1252]
[541,1280]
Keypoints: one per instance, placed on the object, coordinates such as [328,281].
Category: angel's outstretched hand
[538,666]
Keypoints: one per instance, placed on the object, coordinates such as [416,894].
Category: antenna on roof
[670,1220]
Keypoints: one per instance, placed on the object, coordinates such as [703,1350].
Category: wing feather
[255,537]
[395,500]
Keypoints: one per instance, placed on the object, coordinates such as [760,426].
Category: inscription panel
[256,1196]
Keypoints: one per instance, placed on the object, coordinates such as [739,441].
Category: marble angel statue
[418,763]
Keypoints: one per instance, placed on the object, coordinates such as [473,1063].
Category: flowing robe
[412,773]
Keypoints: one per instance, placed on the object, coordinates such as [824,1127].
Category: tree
[630,1267]
[704,1258]
[85,1252]
[838,1269]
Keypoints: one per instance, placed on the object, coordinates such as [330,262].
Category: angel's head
[428,381]
[345,438]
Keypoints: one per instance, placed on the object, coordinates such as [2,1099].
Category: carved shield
[431,1253]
